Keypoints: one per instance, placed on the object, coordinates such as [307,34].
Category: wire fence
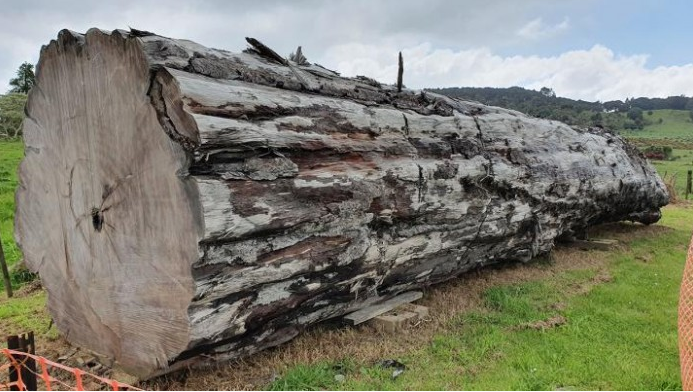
[25,375]
[686,323]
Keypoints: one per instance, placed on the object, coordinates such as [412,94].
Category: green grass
[676,131]
[11,152]
[675,125]
[27,313]
[678,167]
[621,334]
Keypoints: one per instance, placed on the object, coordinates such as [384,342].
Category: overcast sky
[586,49]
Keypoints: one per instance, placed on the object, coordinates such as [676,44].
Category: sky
[596,50]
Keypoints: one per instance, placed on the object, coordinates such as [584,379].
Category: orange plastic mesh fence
[44,375]
[686,323]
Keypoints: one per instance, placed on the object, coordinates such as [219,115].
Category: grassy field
[676,131]
[676,168]
[11,152]
[675,125]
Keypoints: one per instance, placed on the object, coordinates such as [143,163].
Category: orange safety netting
[686,323]
[18,361]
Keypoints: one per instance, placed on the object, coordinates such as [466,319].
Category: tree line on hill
[617,115]
[12,103]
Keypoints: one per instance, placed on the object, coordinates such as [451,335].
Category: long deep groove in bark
[155,94]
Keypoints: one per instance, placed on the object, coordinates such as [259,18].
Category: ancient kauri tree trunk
[181,202]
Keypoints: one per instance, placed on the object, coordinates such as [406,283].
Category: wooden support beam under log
[367,313]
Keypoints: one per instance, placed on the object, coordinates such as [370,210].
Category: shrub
[660,153]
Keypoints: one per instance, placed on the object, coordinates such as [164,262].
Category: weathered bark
[179,200]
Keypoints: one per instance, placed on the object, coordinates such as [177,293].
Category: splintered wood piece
[368,313]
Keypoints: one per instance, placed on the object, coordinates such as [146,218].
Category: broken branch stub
[185,204]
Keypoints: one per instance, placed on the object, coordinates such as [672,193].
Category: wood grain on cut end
[102,213]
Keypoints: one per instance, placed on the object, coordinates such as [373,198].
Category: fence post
[689,183]
[13,344]
[29,369]
[5,272]
[23,343]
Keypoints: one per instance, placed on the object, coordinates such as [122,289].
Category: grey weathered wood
[367,313]
[599,244]
[187,204]
[392,323]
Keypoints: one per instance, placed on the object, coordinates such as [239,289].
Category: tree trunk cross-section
[184,203]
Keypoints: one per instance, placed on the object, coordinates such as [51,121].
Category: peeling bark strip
[187,204]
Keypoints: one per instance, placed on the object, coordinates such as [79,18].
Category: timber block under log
[393,321]
[597,244]
[367,313]
[404,315]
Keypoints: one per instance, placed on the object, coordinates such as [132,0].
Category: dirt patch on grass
[584,288]
[551,322]
[29,288]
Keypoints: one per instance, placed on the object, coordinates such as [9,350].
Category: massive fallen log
[179,200]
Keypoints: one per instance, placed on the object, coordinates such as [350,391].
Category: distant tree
[676,102]
[11,114]
[689,107]
[614,106]
[25,79]
[631,125]
[548,92]
[540,103]
[596,119]
[635,114]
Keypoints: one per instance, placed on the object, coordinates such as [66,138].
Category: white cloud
[316,25]
[536,29]
[594,74]
[460,43]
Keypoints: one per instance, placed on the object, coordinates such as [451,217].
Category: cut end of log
[99,194]
[187,204]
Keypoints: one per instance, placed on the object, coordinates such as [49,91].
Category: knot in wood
[96,219]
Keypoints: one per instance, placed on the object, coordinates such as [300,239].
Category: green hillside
[668,128]
[631,114]
[665,124]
